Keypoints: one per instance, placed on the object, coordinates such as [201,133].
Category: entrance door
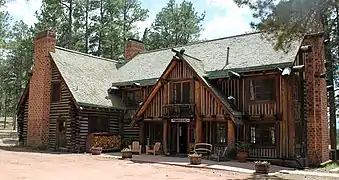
[61,133]
[182,137]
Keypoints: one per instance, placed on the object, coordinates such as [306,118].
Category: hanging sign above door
[180,120]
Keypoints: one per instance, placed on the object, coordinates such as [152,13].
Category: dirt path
[37,166]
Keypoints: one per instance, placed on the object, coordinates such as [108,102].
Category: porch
[247,167]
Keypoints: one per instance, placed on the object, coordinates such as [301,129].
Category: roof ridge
[85,54]
[200,42]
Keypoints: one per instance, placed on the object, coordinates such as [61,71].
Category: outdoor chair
[135,147]
[220,154]
[155,149]
[203,148]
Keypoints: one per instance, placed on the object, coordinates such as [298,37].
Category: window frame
[256,138]
[259,82]
[98,122]
[53,93]
[179,98]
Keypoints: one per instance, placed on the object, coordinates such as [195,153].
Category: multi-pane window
[56,92]
[263,134]
[181,92]
[262,89]
[98,124]
[221,133]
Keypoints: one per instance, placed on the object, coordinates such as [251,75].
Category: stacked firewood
[107,141]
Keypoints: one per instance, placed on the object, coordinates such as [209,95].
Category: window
[263,134]
[221,133]
[215,133]
[181,92]
[132,98]
[56,91]
[98,124]
[262,89]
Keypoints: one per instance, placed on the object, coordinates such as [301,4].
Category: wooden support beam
[165,136]
[156,88]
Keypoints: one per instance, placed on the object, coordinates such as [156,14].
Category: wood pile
[107,141]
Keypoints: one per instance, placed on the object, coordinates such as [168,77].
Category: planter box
[195,159]
[242,156]
[261,168]
[126,154]
[96,150]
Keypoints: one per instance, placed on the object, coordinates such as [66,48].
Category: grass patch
[330,166]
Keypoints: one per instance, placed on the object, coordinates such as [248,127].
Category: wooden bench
[203,148]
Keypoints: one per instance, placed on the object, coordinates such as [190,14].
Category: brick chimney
[39,90]
[316,99]
[132,48]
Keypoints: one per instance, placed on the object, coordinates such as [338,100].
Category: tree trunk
[5,121]
[87,33]
[100,29]
[70,11]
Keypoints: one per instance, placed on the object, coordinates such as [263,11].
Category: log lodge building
[219,91]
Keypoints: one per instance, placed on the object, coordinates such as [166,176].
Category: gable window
[56,92]
[98,124]
[181,92]
[262,89]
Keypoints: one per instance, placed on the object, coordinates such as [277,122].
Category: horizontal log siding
[82,123]
[22,122]
[61,109]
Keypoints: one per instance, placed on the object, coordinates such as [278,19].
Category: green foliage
[175,24]
[243,146]
[98,27]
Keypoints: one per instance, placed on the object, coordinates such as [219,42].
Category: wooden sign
[180,120]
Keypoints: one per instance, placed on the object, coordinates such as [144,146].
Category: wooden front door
[61,133]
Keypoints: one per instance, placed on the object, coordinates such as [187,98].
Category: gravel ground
[42,166]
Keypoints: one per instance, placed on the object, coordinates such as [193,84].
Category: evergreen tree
[175,24]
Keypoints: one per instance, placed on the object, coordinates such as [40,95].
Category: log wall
[62,109]
[22,120]
[85,114]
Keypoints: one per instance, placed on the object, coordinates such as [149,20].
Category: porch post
[142,135]
[231,133]
[165,135]
[198,130]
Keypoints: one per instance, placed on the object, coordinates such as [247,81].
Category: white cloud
[233,22]
[23,10]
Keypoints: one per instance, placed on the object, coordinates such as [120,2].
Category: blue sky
[223,17]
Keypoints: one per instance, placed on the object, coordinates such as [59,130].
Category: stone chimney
[316,99]
[132,48]
[40,90]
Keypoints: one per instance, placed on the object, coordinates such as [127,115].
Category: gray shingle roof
[88,77]
[246,51]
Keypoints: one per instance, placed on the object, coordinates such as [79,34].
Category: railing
[263,152]
[179,110]
[262,109]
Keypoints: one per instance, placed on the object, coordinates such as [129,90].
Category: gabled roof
[198,67]
[88,77]
[247,52]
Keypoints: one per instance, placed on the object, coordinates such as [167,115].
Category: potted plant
[195,158]
[242,151]
[126,153]
[262,167]
[96,150]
